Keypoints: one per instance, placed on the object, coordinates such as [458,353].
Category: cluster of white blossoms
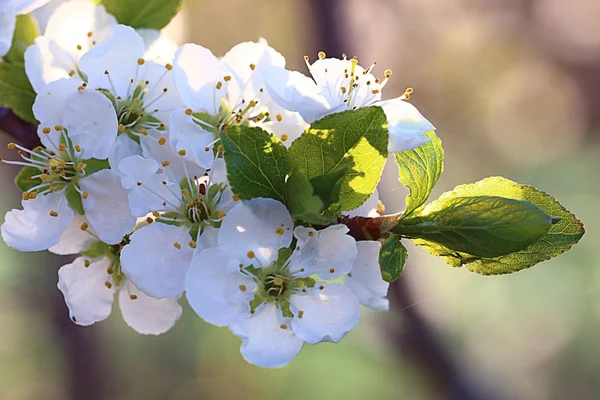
[131,177]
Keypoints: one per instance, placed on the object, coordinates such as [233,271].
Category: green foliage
[94,165]
[74,199]
[562,235]
[26,30]
[315,201]
[355,141]
[257,163]
[24,180]
[16,92]
[392,258]
[483,226]
[154,14]
[97,249]
[420,170]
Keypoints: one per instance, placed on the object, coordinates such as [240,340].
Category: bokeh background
[513,87]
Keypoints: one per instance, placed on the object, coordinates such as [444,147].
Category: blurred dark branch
[22,132]
[415,339]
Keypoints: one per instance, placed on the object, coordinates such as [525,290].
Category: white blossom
[340,85]
[9,9]
[262,289]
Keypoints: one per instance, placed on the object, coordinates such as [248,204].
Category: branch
[22,132]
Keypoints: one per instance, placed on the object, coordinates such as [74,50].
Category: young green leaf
[94,165]
[353,140]
[420,170]
[392,258]
[315,201]
[16,92]
[563,234]
[26,30]
[154,14]
[74,199]
[24,179]
[257,163]
[483,226]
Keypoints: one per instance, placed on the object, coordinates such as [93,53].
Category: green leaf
[314,201]
[392,258]
[283,255]
[420,170]
[94,165]
[353,140]
[257,163]
[74,199]
[24,180]
[16,92]
[563,234]
[154,14]
[97,249]
[26,30]
[483,226]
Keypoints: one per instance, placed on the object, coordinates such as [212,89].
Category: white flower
[220,93]
[77,125]
[365,278]
[9,9]
[73,29]
[89,285]
[142,92]
[160,254]
[259,287]
[341,85]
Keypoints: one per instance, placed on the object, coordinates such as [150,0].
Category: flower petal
[324,315]
[197,72]
[365,279]
[407,126]
[119,56]
[122,148]
[27,6]
[267,340]
[186,135]
[8,20]
[159,48]
[147,315]
[216,289]
[107,207]
[74,239]
[92,123]
[297,92]
[71,22]
[45,62]
[261,226]
[329,252]
[88,298]
[177,164]
[144,179]
[153,262]
[33,228]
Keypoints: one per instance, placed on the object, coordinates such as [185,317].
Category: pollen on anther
[166,163]
[177,245]
[300,314]
[58,128]
[279,117]
[139,183]
[46,131]
[32,195]
[284,137]
[108,284]
[53,214]
[331,270]
[321,287]
[141,61]
[182,153]
[283,326]
[149,220]
[388,73]
[221,214]
[110,270]
[11,146]
[86,263]
[168,66]
[279,230]
[162,141]
[79,47]
[121,128]
[133,297]
[25,196]
[220,149]
[322,55]
[227,78]
[78,148]
[84,226]
[242,288]
[311,234]
[250,254]
[219,85]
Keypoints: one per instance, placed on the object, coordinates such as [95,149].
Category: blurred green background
[513,87]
